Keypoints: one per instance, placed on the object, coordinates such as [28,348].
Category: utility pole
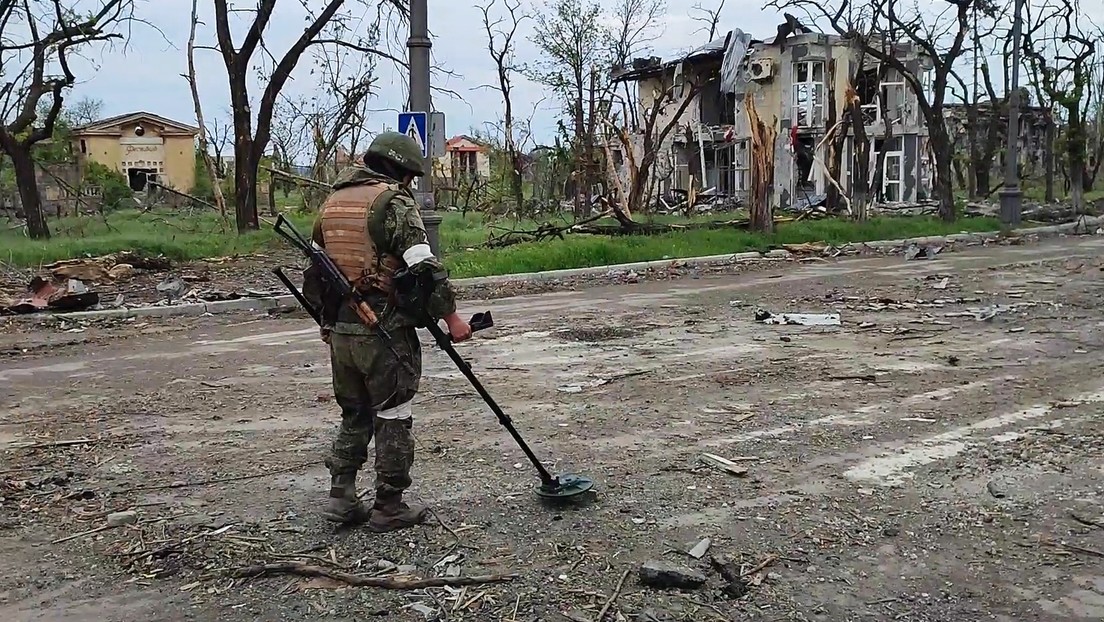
[418,47]
[1011,197]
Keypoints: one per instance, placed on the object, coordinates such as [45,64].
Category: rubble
[667,575]
[798,319]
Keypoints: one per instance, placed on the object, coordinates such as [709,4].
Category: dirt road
[936,457]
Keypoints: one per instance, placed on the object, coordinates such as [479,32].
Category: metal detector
[559,487]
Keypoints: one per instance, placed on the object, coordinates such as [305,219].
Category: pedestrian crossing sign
[415,125]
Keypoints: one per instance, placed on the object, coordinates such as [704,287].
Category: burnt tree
[38,40]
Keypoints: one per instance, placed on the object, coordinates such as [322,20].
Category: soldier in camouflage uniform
[371,227]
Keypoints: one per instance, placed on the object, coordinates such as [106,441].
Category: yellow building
[142,146]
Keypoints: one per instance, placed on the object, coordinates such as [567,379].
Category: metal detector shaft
[445,343]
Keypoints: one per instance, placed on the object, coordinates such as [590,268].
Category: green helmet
[399,149]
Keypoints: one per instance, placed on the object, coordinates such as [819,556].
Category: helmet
[398,149]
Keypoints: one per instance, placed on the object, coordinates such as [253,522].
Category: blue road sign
[415,125]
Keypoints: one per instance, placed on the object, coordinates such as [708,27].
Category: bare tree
[670,99]
[710,18]
[250,143]
[220,135]
[984,110]
[84,111]
[204,145]
[500,44]
[940,37]
[1058,50]
[38,39]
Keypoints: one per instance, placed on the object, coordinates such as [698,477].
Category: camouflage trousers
[374,391]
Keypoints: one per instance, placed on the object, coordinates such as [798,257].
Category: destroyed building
[794,84]
[1035,122]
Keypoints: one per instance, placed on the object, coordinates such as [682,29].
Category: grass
[204,235]
[584,251]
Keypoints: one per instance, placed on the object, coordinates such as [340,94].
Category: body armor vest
[348,241]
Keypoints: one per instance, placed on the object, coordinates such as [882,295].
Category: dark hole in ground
[595,333]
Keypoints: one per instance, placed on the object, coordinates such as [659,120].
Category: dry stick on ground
[222,480]
[76,441]
[389,583]
[613,597]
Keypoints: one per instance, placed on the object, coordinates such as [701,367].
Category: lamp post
[1011,197]
[418,47]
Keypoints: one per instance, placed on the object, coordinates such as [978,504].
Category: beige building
[464,158]
[142,146]
[795,84]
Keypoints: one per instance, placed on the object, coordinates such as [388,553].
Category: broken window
[893,169]
[804,184]
[741,159]
[878,98]
[808,93]
[716,107]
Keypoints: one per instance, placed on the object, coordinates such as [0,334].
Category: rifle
[333,276]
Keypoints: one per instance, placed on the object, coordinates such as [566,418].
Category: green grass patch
[205,235]
[585,251]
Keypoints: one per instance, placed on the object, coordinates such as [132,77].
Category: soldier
[371,227]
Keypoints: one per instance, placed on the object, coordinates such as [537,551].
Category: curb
[263,304]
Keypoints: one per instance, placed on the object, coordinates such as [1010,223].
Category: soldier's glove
[324,333]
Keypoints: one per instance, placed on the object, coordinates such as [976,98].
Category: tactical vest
[348,241]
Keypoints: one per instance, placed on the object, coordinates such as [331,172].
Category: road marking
[892,468]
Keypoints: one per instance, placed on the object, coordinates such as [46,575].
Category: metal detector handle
[479,321]
[444,341]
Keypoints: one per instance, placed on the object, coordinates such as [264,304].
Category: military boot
[394,457]
[392,513]
[344,506]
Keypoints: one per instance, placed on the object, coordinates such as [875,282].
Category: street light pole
[418,47]
[1011,197]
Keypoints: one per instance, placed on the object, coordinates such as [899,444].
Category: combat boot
[391,514]
[344,506]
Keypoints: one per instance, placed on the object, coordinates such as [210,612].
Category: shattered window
[808,94]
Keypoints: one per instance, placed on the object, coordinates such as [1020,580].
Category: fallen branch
[75,441]
[221,480]
[83,534]
[613,597]
[298,178]
[387,583]
[1084,520]
[183,195]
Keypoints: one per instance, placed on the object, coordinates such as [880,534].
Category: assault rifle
[336,279]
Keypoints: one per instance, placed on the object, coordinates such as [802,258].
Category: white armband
[417,254]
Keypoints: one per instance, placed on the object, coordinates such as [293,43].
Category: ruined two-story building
[795,84]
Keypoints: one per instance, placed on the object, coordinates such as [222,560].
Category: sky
[145,74]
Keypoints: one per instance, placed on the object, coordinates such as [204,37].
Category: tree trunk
[24,168]
[943,150]
[860,164]
[977,162]
[1076,146]
[1048,157]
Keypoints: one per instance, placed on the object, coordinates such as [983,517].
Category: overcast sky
[146,74]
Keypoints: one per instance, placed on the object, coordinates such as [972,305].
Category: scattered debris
[942,284]
[922,252]
[1085,520]
[45,295]
[598,382]
[667,575]
[118,519]
[613,597]
[798,319]
[996,490]
[401,582]
[724,464]
[700,549]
